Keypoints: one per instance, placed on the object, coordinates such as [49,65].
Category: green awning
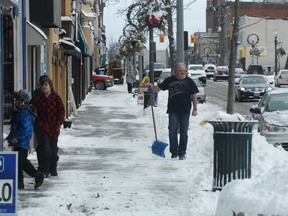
[82,43]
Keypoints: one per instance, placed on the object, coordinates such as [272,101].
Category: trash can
[136,84]
[146,99]
[232,151]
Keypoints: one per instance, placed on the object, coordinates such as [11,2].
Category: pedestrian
[130,77]
[50,116]
[182,90]
[145,81]
[103,70]
[37,92]
[20,135]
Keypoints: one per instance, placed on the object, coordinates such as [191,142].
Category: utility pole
[180,31]
[232,60]
[221,30]
[171,36]
[152,51]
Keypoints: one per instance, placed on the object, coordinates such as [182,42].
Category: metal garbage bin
[232,151]
[146,99]
[136,84]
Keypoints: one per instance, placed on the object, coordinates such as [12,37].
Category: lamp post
[275,42]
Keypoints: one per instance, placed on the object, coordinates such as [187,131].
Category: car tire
[214,79]
[99,85]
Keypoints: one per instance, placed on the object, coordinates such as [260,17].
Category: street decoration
[253,39]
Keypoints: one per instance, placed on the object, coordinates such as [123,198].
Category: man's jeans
[183,121]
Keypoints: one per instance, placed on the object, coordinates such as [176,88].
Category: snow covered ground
[106,167]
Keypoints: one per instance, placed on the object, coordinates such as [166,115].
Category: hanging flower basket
[154,21]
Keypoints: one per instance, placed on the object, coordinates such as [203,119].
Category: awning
[66,18]
[82,43]
[87,12]
[67,46]
[35,36]
[9,3]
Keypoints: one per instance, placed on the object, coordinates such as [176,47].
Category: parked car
[201,95]
[101,82]
[272,114]
[281,78]
[210,70]
[239,72]
[255,69]
[221,73]
[251,86]
[197,70]
[158,68]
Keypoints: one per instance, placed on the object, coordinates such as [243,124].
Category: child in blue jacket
[19,137]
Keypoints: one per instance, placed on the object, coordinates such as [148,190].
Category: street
[217,93]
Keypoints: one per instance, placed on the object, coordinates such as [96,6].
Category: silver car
[201,95]
[165,73]
[197,71]
[272,114]
[281,78]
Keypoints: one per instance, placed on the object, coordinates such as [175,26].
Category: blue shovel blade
[158,148]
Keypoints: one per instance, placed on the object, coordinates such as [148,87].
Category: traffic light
[161,38]
[185,40]
[192,38]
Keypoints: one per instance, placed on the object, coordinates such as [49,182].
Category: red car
[101,82]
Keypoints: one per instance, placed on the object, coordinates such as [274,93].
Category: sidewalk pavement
[106,166]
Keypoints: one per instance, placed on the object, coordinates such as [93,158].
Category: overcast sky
[194,19]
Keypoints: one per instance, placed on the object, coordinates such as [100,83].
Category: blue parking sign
[1,163]
[8,183]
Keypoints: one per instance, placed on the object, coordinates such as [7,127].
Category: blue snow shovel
[158,147]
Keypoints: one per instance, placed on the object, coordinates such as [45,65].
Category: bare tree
[113,49]
[232,61]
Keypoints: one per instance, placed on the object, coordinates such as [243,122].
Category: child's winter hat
[23,95]
[43,77]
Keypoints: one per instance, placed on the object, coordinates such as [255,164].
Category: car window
[284,72]
[164,75]
[278,102]
[222,68]
[195,68]
[263,101]
[158,66]
[197,82]
[254,80]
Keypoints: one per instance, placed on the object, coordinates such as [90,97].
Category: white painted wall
[265,29]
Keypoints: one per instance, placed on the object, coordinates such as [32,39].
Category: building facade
[219,18]
[59,38]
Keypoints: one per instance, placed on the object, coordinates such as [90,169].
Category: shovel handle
[153,116]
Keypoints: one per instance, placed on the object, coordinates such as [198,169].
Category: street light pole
[275,42]
[180,32]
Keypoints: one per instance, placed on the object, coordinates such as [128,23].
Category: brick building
[220,13]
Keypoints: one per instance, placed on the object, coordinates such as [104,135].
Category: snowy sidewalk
[106,166]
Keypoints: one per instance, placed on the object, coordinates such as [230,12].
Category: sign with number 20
[8,180]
